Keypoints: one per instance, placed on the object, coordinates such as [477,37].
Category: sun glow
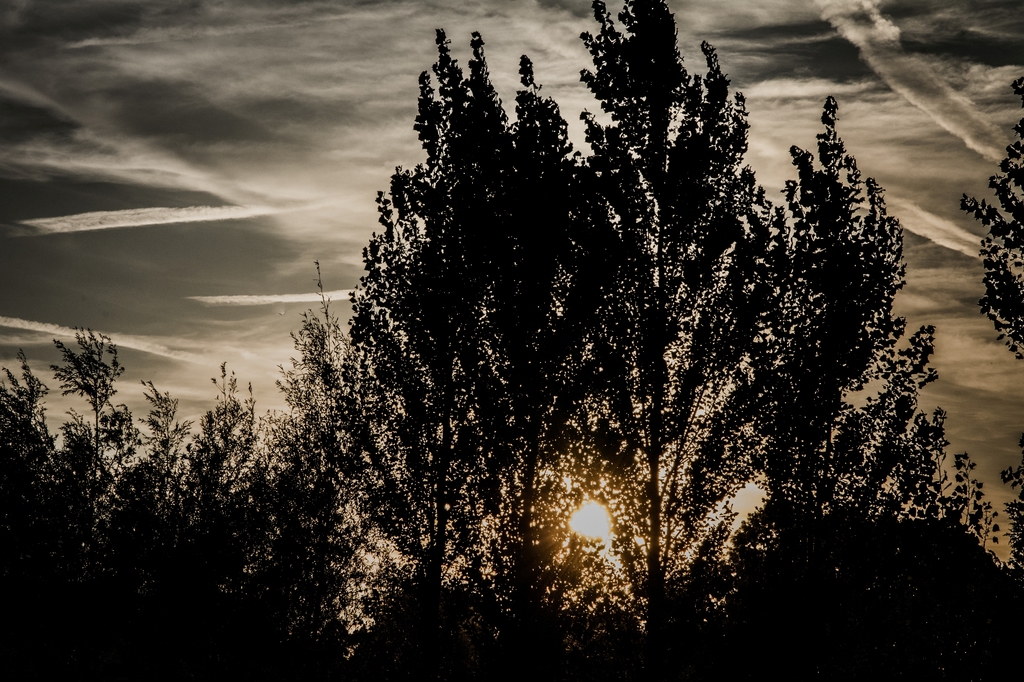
[592,521]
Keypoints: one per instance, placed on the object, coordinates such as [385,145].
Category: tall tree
[679,323]
[26,448]
[476,296]
[145,517]
[839,270]
[549,283]
[855,475]
[222,487]
[1003,303]
[419,328]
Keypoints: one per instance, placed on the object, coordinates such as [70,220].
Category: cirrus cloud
[138,217]
[862,23]
[935,228]
[270,299]
[141,343]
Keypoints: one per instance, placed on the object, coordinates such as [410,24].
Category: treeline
[536,328]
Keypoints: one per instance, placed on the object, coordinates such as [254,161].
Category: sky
[171,170]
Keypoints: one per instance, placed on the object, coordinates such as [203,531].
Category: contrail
[124,340]
[939,230]
[136,217]
[340,294]
[878,40]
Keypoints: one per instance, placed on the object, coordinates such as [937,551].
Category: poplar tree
[422,315]
[856,475]
[538,314]
[839,270]
[477,293]
[679,325]
[1003,302]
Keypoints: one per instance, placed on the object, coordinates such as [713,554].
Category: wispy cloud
[878,39]
[935,228]
[140,343]
[340,294]
[193,31]
[137,217]
[803,88]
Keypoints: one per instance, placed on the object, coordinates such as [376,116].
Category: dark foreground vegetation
[537,328]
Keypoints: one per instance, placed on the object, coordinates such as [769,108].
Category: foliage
[838,269]
[463,337]
[421,325]
[859,499]
[674,349]
[1003,302]
[86,372]
[315,565]
[26,446]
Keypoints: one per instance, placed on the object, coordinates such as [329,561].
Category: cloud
[137,217]
[878,39]
[140,343]
[190,32]
[816,89]
[340,294]
[939,230]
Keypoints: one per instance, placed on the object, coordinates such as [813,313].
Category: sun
[592,521]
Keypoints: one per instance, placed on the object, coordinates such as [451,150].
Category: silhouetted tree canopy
[1003,302]
[673,352]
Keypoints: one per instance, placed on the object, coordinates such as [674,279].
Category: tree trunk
[656,372]
[655,568]
[432,619]
[526,621]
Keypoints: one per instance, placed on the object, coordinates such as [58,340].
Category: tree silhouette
[91,454]
[858,492]
[537,317]
[839,268]
[26,447]
[672,362]
[1003,302]
[30,530]
[837,271]
[420,327]
[87,373]
[537,329]
[478,293]
[224,467]
[313,564]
